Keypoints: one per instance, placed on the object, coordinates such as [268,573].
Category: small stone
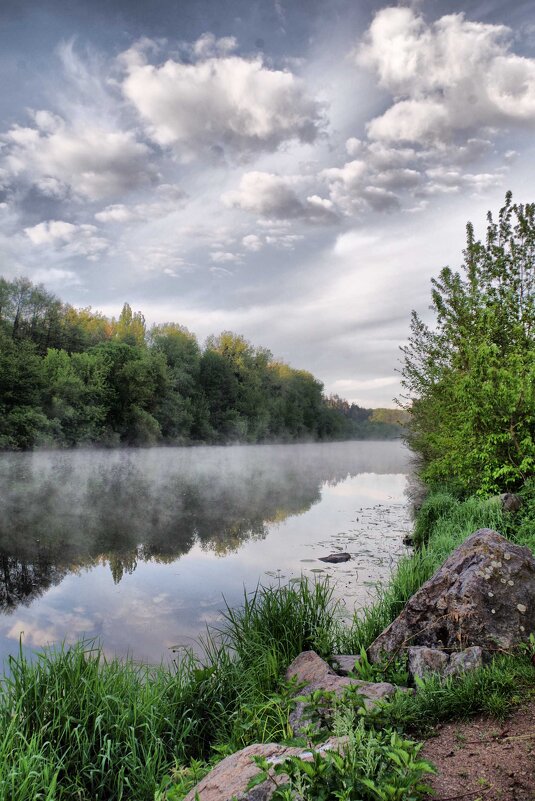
[461,661]
[426,661]
[334,558]
[344,664]
[521,608]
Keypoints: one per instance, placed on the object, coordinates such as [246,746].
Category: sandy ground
[483,760]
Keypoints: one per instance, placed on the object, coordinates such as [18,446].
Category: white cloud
[223,256]
[90,162]
[219,104]
[448,77]
[252,242]
[54,276]
[72,240]
[275,196]
[169,198]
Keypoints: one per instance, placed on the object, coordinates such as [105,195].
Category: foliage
[372,766]
[71,376]
[470,381]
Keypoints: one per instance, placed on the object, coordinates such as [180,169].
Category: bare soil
[485,760]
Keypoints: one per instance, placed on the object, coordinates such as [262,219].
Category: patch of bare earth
[484,759]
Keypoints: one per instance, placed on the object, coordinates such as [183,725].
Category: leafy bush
[372,766]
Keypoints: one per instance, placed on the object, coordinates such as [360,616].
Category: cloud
[169,198]
[219,104]
[223,257]
[70,239]
[275,196]
[453,76]
[89,161]
[252,242]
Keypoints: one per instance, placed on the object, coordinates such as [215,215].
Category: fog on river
[139,547]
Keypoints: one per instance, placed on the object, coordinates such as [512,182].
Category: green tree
[470,380]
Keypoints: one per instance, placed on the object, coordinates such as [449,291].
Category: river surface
[139,547]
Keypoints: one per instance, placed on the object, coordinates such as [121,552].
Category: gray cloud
[276,196]
[62,160]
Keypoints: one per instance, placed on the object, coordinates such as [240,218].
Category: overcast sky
[292,170]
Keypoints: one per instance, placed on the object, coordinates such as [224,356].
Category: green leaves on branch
[469,381]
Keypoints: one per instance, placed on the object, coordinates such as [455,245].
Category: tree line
[73,376]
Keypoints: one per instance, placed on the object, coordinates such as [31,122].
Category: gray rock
[461,661]
[510,502]
[311,670]
[344,664]
[424,661]
[229,779]
[334,558]
[484,595]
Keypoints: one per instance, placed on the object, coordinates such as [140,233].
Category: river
[139,547]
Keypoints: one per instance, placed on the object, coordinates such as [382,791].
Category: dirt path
[483,760]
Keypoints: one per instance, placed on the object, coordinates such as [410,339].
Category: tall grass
[74,725]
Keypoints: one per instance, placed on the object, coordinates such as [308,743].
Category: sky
[296,172]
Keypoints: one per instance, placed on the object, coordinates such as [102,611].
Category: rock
[484,595]
[424,661]
[334,558]
[344,664]
[510,502]
[229,779]
[312,671]
[461,661]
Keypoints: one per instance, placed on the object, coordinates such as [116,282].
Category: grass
[74,725]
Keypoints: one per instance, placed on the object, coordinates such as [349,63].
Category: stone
[334,558]
[483,594]
[461,661]
[510,502]
[229,779]
[344,664]
[423,662]
[311,670]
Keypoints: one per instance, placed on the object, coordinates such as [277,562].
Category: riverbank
[75,725]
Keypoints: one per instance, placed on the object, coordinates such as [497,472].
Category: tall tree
[470,380]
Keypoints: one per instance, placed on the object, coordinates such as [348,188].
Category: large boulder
[229,779]
[484,594]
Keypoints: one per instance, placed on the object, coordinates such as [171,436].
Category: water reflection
[138,547]
[61,512]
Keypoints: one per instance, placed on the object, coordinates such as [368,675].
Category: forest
[73,377]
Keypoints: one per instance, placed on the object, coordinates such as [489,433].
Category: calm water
[138,547]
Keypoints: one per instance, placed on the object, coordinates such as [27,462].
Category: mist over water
[138,547]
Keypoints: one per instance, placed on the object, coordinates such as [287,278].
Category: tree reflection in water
[63,512]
